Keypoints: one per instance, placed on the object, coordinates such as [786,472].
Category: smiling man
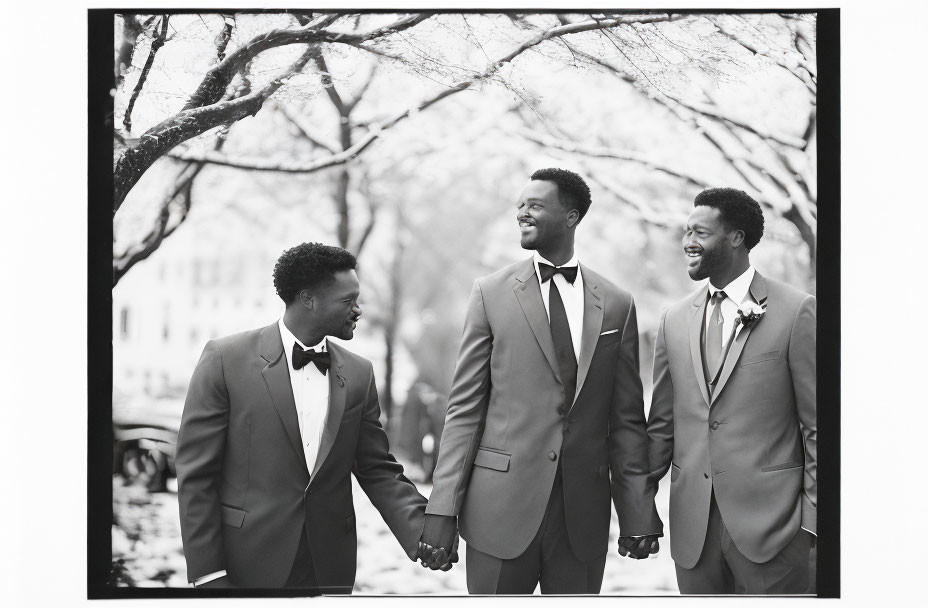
[733,413]
[275,421]
[545,417]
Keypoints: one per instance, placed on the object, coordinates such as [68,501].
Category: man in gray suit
[733,413]
[275,422]
[545,417]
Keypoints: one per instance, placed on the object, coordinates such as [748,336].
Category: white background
[43,301]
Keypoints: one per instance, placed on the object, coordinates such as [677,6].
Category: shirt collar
[289,340]
[737,289]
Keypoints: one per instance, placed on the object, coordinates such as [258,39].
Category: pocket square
[611,331]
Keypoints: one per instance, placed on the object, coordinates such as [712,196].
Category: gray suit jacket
[503,437]
[244,491]
[753,440]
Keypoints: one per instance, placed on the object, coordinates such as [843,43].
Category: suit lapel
[277,378]
[528,293]
[758,291]
[338,394]
[592,325]
[696,322]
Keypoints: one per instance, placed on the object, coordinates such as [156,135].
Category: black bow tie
[302,357]
[548,271]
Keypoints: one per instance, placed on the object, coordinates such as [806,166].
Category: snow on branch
[377,129]
[217,79]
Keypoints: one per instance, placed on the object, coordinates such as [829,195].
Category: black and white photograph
[460,303]
[471,302]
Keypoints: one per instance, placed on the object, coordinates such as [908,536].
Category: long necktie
[714,336]
[563,348]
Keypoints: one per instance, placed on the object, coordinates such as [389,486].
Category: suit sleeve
[381,477]
[198,460]
[660,417]
[466,416]
[628,440]
[802,370]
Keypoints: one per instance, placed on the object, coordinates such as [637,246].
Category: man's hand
[438,546]
[639,547]
[220,583]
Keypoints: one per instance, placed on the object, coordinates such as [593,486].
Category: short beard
[711,261]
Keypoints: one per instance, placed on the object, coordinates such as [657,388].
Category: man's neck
[722,279]
[304,332]
[559,255]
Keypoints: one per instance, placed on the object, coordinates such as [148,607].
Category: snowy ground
[146,535]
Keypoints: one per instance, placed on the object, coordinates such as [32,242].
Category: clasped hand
[437,558]
[638,547]
[438,546]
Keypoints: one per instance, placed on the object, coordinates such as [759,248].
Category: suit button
[552,455]
[706,475]
[715,425]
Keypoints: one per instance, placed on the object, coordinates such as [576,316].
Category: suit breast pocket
[609,340]
[772,355]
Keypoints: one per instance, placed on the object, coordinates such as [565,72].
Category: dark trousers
[722,569]
[303,574]
[548,559]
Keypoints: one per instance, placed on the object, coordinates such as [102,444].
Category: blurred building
[167,307]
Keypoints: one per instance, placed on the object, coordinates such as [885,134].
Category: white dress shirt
[311,396]
[571,295]
[736,292]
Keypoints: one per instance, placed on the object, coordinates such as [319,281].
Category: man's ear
[737,238]
[307,299]
[573,216]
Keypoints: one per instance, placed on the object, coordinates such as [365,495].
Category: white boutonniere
[750,313]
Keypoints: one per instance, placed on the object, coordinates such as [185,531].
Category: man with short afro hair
[309,265]
[275,421]
[733,413]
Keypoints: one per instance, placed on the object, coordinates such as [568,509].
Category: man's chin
[527,242]
[695,273]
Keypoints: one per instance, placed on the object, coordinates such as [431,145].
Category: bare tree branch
[326,77]
[156,43]
[187,124]
[358,94]
[603,152]
[217,79]
[377,129]
[644,211]
[803,76]
[224,36]
[372,208]
[297,120]
[132,28]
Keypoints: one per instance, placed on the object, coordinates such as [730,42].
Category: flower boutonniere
[750,313]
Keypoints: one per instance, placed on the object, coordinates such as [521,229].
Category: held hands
[437,559]
[438,547]
[638,547]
